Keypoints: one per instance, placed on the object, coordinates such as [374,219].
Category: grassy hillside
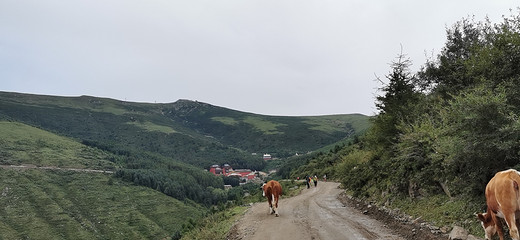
[23,144]
[66,203]
[118,127]
[33,147]
[279,135]
[188,131]
[56,204]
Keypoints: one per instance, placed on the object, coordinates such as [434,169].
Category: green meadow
[57,204]
[23,144]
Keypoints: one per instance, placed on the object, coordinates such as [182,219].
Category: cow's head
[489,225]
[263,190]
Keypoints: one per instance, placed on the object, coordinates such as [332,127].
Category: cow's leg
[498,226]
[276,205]
[511,223]
[270,200]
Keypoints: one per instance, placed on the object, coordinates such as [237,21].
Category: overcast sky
[276,57]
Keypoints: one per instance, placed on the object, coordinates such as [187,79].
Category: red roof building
[216,170]
[227,170]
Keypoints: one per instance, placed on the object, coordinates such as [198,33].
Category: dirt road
[314,214]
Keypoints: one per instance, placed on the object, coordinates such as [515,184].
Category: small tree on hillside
[396,105]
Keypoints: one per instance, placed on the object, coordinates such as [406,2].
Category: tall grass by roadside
[215,226]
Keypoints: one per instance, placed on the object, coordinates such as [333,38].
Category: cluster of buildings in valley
[245,175]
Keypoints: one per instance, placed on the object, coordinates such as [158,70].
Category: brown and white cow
[503,201]
[272,190]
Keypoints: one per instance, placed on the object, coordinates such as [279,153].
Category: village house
[216,170]
[228,171]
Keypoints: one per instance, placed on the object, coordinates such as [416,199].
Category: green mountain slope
[119,127]
[35,148]
[197,133]
[56,204]
[23,144]
[281,136]
[57,196]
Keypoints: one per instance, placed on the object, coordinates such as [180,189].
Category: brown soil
[326,213]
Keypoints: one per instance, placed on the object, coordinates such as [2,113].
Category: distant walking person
[325,177]
[308,181]
[315,180]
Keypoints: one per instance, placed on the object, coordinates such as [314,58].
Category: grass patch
[226,120]
[151,127]
[337,123]
[267,127]
[110,108]
[23,144]
[216,226]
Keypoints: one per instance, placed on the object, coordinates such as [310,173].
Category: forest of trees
[446,129]
[189,183]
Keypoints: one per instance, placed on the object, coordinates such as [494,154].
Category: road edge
[401,224]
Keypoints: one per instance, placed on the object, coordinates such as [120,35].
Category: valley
[97,168]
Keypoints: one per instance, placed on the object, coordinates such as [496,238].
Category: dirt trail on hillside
[316,213]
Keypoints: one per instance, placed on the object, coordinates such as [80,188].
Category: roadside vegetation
[442,132]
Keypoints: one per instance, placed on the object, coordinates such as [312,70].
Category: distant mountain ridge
[194,132]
